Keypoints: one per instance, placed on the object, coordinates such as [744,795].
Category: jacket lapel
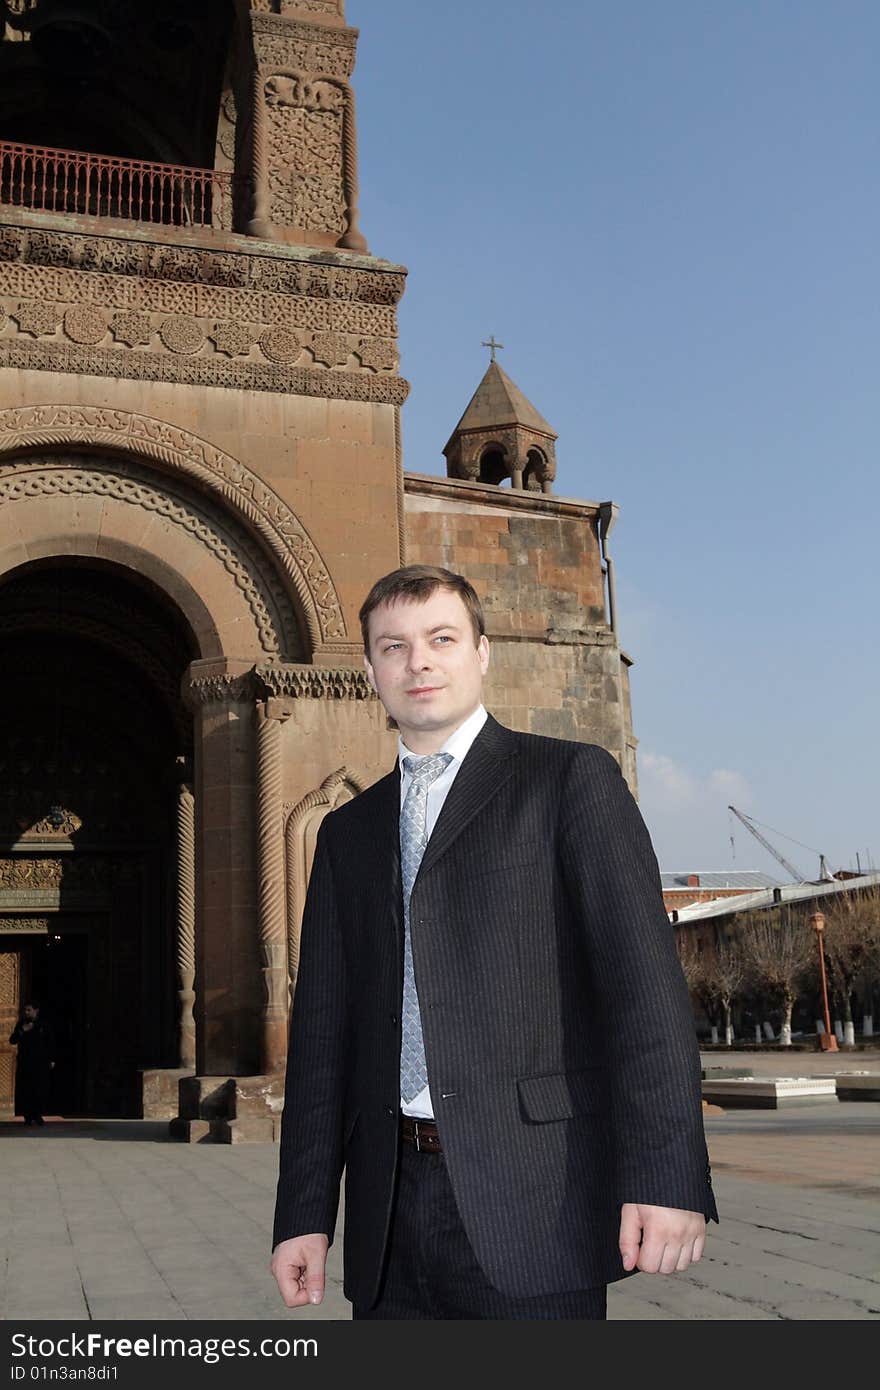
[486,767]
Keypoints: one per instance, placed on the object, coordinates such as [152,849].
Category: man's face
[30,1012]
[425,666]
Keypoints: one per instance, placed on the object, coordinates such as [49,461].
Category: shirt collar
[458,743]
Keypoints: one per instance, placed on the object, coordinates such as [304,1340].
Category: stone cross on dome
[492,345]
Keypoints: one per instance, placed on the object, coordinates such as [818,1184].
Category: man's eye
[443,638]
[393,647]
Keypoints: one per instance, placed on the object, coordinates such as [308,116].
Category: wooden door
[10,1002]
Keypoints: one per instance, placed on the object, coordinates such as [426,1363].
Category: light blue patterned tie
[413,839]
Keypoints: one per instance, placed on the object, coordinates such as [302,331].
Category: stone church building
[200,478]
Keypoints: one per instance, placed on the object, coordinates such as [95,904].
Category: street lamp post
[827,1040]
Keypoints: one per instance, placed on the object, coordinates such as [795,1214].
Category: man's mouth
[423,689]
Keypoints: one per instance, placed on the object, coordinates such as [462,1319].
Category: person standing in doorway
[33,1064]
[491,1032]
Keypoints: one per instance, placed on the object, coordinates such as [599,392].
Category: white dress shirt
[458,744]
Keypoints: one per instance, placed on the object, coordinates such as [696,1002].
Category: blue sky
[669,213]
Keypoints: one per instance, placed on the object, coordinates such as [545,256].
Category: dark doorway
[92,736]
[59,983]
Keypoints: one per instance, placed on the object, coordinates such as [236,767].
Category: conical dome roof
[499,401]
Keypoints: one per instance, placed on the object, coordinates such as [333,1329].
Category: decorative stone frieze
[187,315]
[14,925]
[315,682]
[216,370]
[208,690]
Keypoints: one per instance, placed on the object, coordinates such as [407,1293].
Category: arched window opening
[493,466]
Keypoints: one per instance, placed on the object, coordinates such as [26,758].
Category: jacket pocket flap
[558,1097]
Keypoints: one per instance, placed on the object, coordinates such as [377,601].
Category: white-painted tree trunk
[728,1034]
[849,1033]
[714,1035]
[838,1030]
[868,1025]
[758,1035]
[820,1027]
[785,1035]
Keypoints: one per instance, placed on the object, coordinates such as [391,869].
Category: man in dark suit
[491,1033]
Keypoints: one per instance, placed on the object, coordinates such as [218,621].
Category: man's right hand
[298,1265]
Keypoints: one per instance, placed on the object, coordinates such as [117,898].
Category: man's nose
[419,656]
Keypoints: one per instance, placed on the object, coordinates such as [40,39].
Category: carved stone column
[260,224]
[186,923]
[227,909]
[273,915]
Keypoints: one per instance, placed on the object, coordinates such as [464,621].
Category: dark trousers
[431,1271]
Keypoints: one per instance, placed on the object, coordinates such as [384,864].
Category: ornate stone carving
[208,690]
[46,829]
[298,294]
[304,46]
[182,335]
[315,682]
[11,925]
[37,319]
[272,924]
[297,865]
[35,480]
[3,317]
[378,354]
[85,324]
[233,339]
[305,160]
[169,298]
[281,344]
[215,370]
[247,495]
[186,920]
[330,348]
[132,328]
[226,128]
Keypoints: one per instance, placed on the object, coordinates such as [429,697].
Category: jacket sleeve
[310,1165]
[651,1049]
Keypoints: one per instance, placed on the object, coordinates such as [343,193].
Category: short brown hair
[414,584]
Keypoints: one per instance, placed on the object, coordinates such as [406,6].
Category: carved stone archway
[301,828]
[256,506]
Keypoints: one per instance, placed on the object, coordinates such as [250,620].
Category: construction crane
[793,873]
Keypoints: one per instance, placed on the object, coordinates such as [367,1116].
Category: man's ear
[483,650]
[368,667]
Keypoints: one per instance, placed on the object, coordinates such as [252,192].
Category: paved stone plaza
[108,1220]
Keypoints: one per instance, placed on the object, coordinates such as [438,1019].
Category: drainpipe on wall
[608,513]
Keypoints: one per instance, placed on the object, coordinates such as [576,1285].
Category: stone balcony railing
[96,185]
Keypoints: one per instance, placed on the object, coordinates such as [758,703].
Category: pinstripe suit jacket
[560,1044]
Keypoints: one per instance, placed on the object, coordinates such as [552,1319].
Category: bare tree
[778,949]
[693,967]
[722,975]
[852,949]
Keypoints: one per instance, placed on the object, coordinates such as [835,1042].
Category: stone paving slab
[110,1221]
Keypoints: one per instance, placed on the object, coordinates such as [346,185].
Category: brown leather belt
[422,1134]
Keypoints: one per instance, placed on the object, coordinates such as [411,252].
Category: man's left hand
[660,1240]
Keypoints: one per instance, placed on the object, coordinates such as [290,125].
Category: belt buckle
[416,1140]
